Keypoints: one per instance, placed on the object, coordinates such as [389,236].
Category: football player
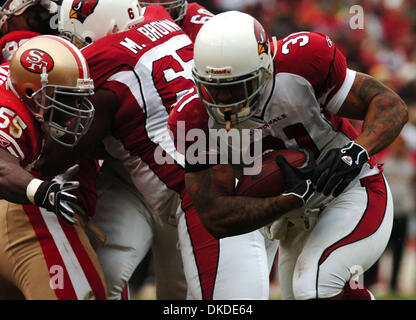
[297,91]
[170,281]
[147,72]
[22,20]
[45,252]
[121,210]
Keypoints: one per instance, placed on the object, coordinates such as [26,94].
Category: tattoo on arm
[383,111]
[225,214]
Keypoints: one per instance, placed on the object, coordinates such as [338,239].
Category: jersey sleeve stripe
[4,71]
[15,145]
[186,102]
[12,152]
[125,78]
[338,99]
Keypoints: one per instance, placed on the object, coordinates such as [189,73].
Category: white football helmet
[233,64]
[51,76]
[85,21]
[17,7]
[176,8]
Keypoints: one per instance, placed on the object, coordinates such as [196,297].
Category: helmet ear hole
[29,93]
[88,40]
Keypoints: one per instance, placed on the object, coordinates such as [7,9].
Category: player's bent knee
[308,289]
[301,292]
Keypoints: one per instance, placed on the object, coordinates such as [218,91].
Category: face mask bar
[82,113]
[238,111]
[176,9]
[73,38]
[6,13]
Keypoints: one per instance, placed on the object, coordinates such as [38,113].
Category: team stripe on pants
[206,251]
[62,248]
[372,217]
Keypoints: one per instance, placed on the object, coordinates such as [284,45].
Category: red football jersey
[10,42]
[149,69]
[195,17]
[20,134]
[4,73]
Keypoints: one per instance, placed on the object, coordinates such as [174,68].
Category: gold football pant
[46,258]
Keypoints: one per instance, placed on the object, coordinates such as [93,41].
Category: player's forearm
[385,116]
[234,215]
[13,183]
[223,213]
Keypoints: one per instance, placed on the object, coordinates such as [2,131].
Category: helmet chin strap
[227,118]
[44,81]
[274,41]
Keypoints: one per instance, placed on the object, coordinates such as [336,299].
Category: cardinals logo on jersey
[81,9]
[36,60]
[261,38]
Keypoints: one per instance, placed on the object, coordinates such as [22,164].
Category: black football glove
[339,167]
[54,197]
[298,181]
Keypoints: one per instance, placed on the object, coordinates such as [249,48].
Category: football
[269,182]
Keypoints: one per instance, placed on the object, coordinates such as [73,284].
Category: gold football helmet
[52,78]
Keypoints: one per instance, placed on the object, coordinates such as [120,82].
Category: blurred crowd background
[385,48]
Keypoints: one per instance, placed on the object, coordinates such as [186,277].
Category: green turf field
[396,297]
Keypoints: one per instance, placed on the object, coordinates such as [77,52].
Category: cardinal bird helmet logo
[261,38]
[81,9]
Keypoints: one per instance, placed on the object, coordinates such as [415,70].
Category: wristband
[31,189]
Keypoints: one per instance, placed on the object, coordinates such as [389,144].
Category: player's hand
[68,175]
[298,181]
[339,167]
[54,197]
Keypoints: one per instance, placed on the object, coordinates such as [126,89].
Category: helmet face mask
[176,8]
[54,84]
[233,65]
[83,22]
[65,110]
[13,7]
[239,97]
[16,7]
[75,39]
[10,8]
